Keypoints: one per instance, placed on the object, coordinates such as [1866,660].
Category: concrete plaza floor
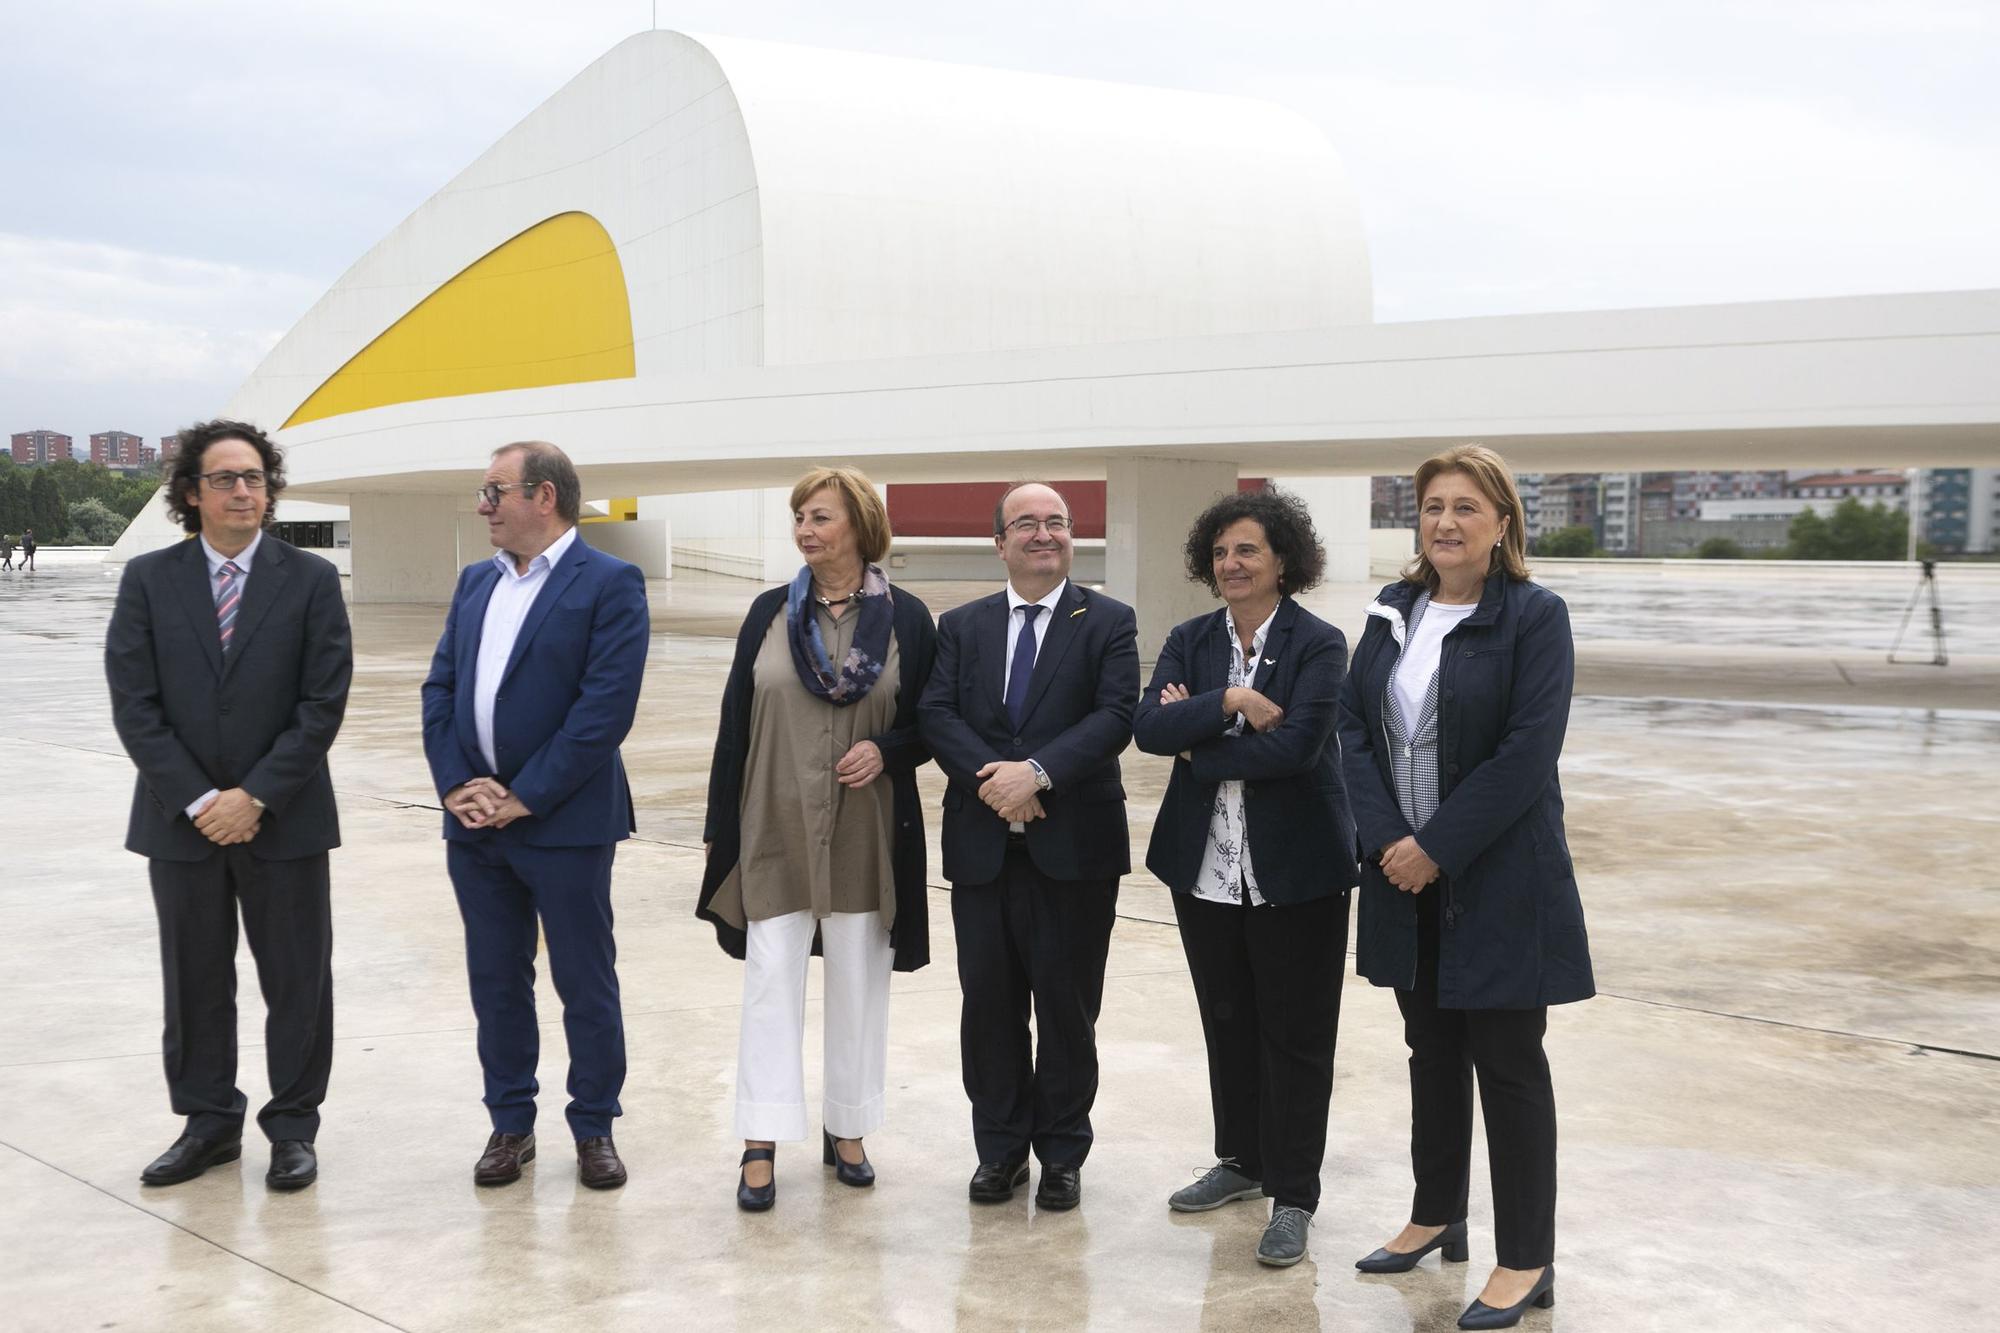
[1782,1113]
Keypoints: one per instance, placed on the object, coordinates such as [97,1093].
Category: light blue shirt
[215,562]
[513,594]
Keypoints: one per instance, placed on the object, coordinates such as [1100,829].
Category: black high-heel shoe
[757,1198]
[1542,1296]
[859,1174]
[1451,1240]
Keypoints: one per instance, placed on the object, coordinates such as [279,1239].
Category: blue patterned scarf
[857,673]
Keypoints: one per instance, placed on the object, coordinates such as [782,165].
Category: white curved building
[706,263]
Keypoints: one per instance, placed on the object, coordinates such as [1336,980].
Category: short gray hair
[542,461]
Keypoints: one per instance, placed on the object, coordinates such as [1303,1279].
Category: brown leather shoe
[505,1155]
[597,1164]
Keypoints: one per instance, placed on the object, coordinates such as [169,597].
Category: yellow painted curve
[547,307]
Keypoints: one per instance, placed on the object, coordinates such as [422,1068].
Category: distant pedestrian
[28,549]
[6,551]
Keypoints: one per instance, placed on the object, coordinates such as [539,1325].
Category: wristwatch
[1042,782]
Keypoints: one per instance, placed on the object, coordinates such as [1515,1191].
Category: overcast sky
[182,180]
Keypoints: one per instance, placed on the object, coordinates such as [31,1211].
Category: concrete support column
[1340,510]
[405,547]
[1149,503]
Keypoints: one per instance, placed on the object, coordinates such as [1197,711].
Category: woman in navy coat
[1255,841]
[1450,724]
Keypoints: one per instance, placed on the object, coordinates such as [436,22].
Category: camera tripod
[1926,586]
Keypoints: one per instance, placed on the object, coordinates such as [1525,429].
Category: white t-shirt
[1419,662]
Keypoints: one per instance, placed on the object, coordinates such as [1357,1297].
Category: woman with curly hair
[1255,840]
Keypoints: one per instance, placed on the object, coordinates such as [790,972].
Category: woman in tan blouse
[815,837]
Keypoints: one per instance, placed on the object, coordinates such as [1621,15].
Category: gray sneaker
[1284,1242]
[1220,1184]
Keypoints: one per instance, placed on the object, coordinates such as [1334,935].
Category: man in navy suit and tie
[1028,708]
[531,691]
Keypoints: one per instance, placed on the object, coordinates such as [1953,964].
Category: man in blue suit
[531,691]
[1028,707]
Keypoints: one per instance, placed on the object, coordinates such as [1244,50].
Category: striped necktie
[228,596]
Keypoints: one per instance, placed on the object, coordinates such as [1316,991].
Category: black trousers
[287,917]
[1504,1048]
[1027,939]
[1268,981]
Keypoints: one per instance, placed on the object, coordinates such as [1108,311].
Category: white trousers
[770,1054]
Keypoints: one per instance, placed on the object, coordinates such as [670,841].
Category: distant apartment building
[1886,488]
[1961,509]
[1392,502]
[1529,485]
[1691,489]
[1619,512]
[41,446]
[1569,500]
[170,446]
[116,448]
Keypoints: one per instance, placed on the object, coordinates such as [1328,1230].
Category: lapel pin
[1079,611]
[1270,661]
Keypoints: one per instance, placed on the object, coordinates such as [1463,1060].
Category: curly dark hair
[183,470]
[1288,527]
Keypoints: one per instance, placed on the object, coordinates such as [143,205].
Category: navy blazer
[566,700]
[1512,922]
[1078,721]
[1294,807]
[262,719]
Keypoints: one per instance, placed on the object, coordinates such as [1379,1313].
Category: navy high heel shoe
[1542,1296]
[859,1174]
[757,1198]
[1451,1240]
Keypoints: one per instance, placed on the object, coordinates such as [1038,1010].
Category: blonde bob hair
[1490,474]
[859,498]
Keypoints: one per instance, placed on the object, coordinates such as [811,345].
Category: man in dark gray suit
[229,660]
[1028,707]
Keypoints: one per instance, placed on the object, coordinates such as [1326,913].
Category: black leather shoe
[294,1165]
[995,1182]
[1061,1189]
[757,1198]
[1451,1240]
[1542,1296]
[188,1158]
[598,1165]
[503,1159]
[859,1174]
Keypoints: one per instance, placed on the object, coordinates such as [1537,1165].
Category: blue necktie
[1024,666]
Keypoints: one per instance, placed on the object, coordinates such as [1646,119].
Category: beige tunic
[808,842]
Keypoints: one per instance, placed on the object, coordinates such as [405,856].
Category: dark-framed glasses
[491,492]
[226,481]
[1026,527]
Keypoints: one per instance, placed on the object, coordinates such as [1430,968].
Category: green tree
[1720,548]
[1853,532]
[1567,543]
[91,523]
[14,513]
[45,508]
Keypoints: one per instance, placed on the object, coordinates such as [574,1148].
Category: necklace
[830,602]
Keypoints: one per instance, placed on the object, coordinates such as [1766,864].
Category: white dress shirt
[1014,622]
[215,562]
[512,595]
[1225,861]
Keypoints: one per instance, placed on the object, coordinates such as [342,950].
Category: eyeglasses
[1026,527]
[491,492]
[226,481]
